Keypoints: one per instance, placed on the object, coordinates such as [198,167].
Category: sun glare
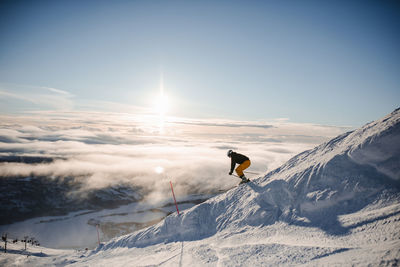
[161,104]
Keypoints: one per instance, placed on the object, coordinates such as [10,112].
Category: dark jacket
[237,158]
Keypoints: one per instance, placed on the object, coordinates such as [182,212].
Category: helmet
[229,152]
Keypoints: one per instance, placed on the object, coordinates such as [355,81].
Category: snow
[337,204]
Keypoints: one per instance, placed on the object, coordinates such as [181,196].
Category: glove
[230,173]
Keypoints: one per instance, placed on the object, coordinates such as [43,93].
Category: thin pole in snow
[98,235]
[173,194]
[251,172]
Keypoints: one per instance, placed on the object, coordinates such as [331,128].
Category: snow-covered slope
[336,204]
[344,175]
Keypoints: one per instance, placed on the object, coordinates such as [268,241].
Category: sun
[161,104]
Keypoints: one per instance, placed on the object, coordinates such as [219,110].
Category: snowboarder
[244,163]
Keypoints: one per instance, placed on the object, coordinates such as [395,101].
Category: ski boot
[244,180]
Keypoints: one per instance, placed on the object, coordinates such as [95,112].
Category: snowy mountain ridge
[372,144]
[344,175]
[347,172]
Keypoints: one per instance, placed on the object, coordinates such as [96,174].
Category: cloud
[224,124]
[39,97]
[58,91]
[104,149]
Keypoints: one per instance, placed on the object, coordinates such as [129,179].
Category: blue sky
[330,62]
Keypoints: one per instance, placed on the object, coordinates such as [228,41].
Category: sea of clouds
[104,149]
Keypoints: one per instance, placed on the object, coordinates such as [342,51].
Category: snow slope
[313,188]
[337,204]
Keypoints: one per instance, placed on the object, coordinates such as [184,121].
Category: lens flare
[159,169]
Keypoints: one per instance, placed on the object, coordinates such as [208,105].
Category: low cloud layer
[103,149]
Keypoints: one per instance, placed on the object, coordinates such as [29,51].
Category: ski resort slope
[337,204]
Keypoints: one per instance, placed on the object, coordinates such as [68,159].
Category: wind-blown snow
[338,203]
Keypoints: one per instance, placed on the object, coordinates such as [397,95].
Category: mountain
[30,197]
[337,204]
[344,175]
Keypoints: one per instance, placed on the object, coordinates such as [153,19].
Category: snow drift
[353,171]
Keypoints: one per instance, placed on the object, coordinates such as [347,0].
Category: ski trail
[180,259]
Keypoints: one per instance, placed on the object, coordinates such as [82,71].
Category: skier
[243,161]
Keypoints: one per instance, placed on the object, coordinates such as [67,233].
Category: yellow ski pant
[239,170]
